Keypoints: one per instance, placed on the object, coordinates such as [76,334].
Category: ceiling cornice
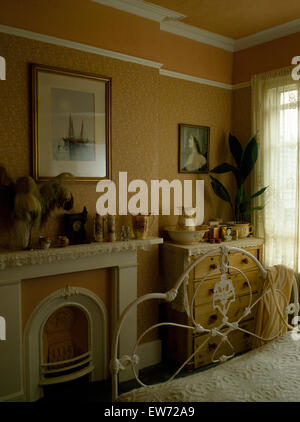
[140,8]
[196,34]
[169,22]
[270,34]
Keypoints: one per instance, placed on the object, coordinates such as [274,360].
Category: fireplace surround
[23,367]
[93,360]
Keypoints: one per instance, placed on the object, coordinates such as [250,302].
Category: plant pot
[241,229]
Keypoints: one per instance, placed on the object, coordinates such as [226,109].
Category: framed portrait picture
[71,117]
[193,149]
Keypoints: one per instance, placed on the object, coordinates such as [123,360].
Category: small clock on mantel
[74,227]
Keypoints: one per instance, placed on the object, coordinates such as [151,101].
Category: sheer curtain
[275,118]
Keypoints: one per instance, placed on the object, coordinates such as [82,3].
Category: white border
[169,22]
[267,35]
[199,35]
[191,78]
[114,55]
[77,46]
[241,85]
[229,44]
[140,8]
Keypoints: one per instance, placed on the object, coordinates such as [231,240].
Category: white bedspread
[270,373]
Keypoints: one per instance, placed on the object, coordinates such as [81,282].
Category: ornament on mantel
[74,226]
[25,205]
[99,228]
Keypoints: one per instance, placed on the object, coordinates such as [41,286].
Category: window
[276,119]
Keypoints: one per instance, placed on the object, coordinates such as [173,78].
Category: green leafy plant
[245,159]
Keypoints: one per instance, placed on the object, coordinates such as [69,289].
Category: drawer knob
[211,292]
[245,261]
[245,285]
[212,346]
[213,318]
[213,266]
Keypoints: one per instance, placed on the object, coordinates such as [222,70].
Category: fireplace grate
[66,370]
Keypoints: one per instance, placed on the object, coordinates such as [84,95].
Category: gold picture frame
[71,124]
[193,148]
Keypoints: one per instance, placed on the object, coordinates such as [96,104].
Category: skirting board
[149,353]
[14,397]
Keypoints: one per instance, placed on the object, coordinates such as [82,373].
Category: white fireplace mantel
[24,262]
[16,266]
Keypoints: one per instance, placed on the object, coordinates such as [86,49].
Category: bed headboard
[222,298]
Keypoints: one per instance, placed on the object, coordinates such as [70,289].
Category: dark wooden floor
[81,390]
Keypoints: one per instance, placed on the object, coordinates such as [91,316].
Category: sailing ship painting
[73,125]
[75,145]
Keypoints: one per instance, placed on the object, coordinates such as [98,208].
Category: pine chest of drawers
[180,343]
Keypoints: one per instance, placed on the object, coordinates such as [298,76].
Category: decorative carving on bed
[222,298]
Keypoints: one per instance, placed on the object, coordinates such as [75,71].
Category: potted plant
[245,159]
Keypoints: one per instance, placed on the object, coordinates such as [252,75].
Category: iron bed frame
[223,296]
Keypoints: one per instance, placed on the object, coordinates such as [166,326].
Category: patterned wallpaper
[190,103]
[241,112]
[146,110]
[241,121]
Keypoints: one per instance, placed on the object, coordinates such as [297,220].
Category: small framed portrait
[193,149]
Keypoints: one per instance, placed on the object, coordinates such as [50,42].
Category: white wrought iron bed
[268,373]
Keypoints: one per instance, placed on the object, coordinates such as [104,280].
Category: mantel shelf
[10,259]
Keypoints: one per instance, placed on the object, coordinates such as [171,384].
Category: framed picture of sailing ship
[71,124]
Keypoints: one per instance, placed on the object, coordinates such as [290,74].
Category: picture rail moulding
[114,55]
